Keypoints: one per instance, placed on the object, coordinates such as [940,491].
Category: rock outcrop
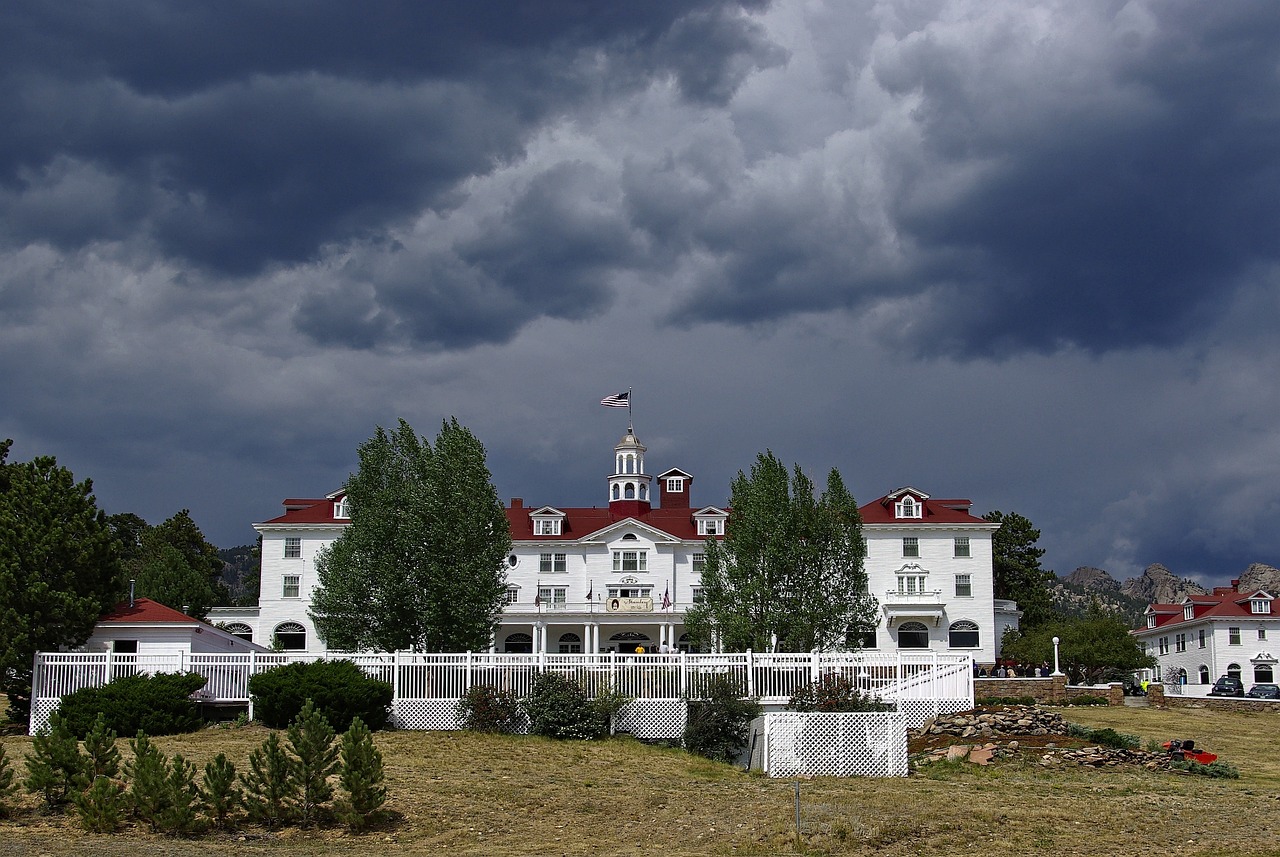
[1092,580]
[1159,585]
[1259,576]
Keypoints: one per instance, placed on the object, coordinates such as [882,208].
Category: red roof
[935,511]
[1231,605]
[146,610]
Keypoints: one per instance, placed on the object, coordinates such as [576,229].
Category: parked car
[1264,691]
[1228,685]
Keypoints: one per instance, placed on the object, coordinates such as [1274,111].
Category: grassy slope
[470,794]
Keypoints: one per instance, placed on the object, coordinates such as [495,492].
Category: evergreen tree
[789,565]
[219,791]
[59,570]
[422,563]
[271,785]
[311,740]
[1092,648]
[101,806]
[7,785]
[179,816]
[55,767]
[1016,561]
[147,773]
[174,565]
[360,777]
[100,748]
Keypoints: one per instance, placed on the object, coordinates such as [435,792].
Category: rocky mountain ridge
[1074,593]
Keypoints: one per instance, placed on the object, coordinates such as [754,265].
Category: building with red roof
[1202,637]
[145,627]
[620,575]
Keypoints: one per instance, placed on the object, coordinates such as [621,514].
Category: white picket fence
[426,688]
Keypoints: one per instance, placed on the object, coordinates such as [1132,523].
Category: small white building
[1202,637]
[144,627]
[620,576]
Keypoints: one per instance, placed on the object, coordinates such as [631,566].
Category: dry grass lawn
[458,793]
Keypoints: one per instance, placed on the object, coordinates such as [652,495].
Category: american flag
[666,598]
[621,400]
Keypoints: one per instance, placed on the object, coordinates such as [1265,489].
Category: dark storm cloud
[237,135]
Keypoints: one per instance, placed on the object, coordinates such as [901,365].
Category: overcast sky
[1024,253]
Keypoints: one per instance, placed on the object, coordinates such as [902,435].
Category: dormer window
[546,526]
[909,507]
[708,527]
[1260,605]
[1188,611]
[342,509]
[1151,621]
[675,485]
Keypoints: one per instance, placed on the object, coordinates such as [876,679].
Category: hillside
[241,572]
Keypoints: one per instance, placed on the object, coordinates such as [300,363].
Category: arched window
[1182,675]
[521,644]
[964,635]
[291,637]
[1233,670]
[239,629]
[1204,674]
[913,635]
[1263,674]
[570,644]
[630,537]
[630,492]
[626,641]
[644,492]
[617,492]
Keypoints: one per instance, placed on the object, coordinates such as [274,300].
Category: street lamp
[1056,670]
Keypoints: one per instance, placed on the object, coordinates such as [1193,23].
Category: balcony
[913,605]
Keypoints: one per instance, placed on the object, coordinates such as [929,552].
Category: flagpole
[630,424]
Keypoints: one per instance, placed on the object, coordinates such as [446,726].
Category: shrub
[1104,737]
[339,690]
[717,723]
[55,765]
[1087,700]
[997,701]
[100,748]
[7,785]
[557,707]
[157,704]
[316,758]
[179,816]
[834,692]
[360,776]
[219,791]
[101,808]
[148,776]
[486,709]
[1218,770]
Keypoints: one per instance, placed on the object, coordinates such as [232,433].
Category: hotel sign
[629,605]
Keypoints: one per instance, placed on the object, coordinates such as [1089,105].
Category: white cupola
[629,486]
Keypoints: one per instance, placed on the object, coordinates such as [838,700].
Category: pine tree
[147,774]
[219,792]
[360,777]
[7,785]
[271,785]
[101,807]
[179,816]
[100,747]
[55,767]
[311,739]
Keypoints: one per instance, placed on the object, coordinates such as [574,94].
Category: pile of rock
[1009,720]
[1103,757]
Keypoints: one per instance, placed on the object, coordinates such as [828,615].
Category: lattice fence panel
[40,711]
[855,744]
[653,718]
[435,714]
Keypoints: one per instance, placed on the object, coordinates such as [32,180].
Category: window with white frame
[1164,645]
[1260,605]
[291,586]
[962,547]
[552,563]
[570,644]
[552,596]
[293,547]
[546,526]
[513,595]
[630,560]
[698,597]
[699,562]
[342,509]
[910,546]
[675,484]
[913,635]
[1203,642]
[1179,642]
[908,507]
[1233,636]
[630,591]
[708,526]
[964,586]
[1151,621]
[1233,670]
[963,635]
[911,584]
[1188,611]
[1263,674]
[1262,633]
[290,636]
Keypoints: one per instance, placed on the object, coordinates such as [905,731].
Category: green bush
[56,768]
[834,692]
[1104,737]
[557,707]
[717,723]
[360,777]
[101,807]
[271,785]
[997,701]
[338,689]
[1217,770]
[1087,700]
[486,709]
[7,785]
[219,792]
[157,704]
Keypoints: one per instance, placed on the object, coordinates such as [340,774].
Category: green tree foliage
[181,813]
[55,766]
[158,704]
[219,792]
[789,565]
[148,776]
[171,563]
[7,784]
[421,565]
[832,692]
[1016,561]
[558,707]
[360,778]
[1091,648]
[717,721]
[59,570]
[101,807]
[338,689]
[489,709]
[271,784]
[311,740]
[101,751]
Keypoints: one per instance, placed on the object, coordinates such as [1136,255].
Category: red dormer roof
[309,512]
[936,512]
[1231,605]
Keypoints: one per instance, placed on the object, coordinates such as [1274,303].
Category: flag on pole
[620,400]
[591,590]
[537,600]
[666,598]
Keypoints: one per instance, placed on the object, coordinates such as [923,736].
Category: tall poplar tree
[790,564]
[422,564]
[59,570]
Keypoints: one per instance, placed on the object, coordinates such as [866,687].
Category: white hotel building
[621,575]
